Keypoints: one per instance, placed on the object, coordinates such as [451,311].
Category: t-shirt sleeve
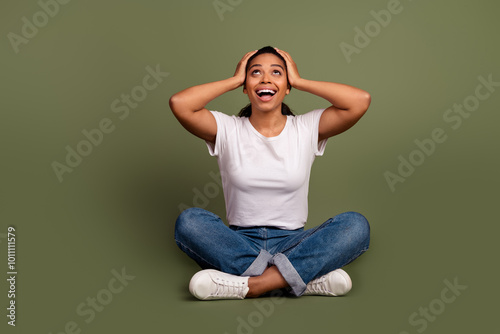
[311,121]
[222,120]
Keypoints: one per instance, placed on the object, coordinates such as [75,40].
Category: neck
[269,124]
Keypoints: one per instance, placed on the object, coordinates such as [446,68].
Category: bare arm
[348,104]
[188,105]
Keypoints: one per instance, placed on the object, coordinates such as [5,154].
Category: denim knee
[358,226]
[186,222]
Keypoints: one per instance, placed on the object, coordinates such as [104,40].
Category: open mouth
[265,94]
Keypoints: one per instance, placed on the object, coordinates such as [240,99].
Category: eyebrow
[277,65]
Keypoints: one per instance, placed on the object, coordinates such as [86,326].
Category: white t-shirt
[266,179]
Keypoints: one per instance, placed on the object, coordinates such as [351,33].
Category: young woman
[265,157]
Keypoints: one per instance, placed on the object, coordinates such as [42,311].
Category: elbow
[174,102]
[364,102]
[361,106]
[367,99]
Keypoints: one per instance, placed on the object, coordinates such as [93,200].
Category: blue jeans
[300,255]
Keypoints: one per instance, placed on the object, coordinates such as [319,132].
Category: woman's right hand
[240,72]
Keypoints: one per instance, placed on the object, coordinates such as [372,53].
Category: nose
[265,78]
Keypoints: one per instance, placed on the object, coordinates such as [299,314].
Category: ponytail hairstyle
[247,110]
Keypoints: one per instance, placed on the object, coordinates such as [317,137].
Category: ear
[287,91]
[245,90]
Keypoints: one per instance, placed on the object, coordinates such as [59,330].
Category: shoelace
[228,288]
[317,286]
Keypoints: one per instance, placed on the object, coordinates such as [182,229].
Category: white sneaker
[335,283]
[211,284]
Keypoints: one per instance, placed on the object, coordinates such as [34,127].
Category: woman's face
[266,84]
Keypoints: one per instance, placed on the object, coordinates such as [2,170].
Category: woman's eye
[256,72]
[277,72]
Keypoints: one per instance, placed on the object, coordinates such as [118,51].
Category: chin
[267,109]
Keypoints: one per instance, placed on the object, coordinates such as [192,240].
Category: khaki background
[117,208]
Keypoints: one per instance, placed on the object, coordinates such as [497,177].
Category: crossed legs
[291,261]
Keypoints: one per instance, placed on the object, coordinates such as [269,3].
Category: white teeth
[266,91]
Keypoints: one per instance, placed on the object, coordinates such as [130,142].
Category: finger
[283,53]
[246,57]
[249,54]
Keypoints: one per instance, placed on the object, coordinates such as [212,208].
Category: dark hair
[247,110]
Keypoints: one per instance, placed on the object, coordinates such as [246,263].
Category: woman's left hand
[292,71]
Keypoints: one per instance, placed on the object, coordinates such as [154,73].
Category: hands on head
[348,103]
[240,72]
[292,71]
